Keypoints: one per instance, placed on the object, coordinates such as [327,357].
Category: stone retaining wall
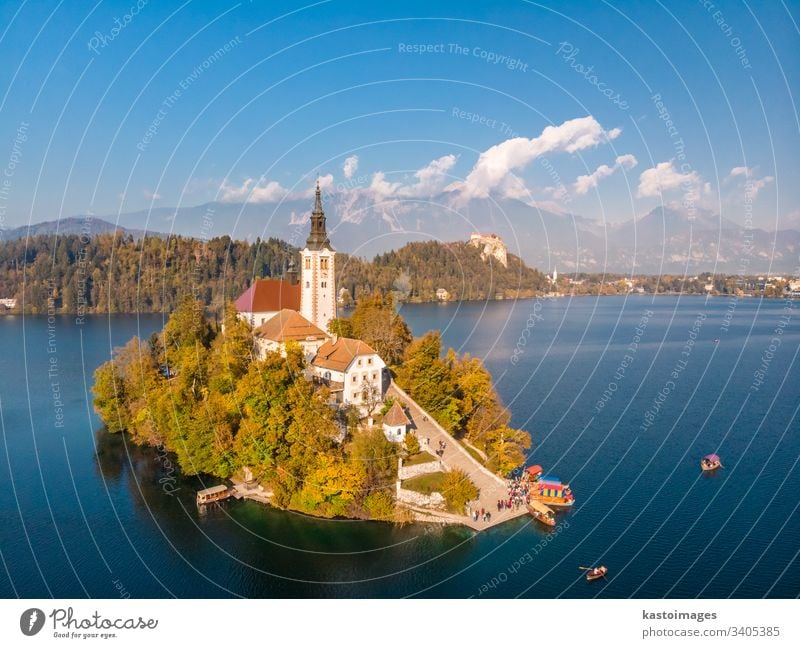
[407,472]
[432,501]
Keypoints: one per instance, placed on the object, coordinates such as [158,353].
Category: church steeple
[318,271]
[318,236]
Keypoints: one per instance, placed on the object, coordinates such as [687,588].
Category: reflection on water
[87,513]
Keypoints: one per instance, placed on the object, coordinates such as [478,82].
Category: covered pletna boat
[710,462]
[214,494]
[534,471]
[541,513]
[549,490]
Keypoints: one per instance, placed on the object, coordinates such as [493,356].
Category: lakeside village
[296,408]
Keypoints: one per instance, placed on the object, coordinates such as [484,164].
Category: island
[308,411]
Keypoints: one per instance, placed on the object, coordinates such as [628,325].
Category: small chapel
[299,307]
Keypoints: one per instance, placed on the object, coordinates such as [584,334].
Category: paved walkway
[490,486]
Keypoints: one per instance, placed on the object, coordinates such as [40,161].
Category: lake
[622,396]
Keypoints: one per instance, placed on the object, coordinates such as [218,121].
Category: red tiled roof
[396,416]
[289,325]
[269,295]
[338,355]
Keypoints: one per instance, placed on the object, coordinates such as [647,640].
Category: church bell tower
[318,288]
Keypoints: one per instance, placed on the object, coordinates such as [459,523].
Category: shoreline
[11,313]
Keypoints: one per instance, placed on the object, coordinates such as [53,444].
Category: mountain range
[78,225]
[665,240]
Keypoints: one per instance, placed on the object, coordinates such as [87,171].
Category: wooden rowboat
[594,573]
[710,462]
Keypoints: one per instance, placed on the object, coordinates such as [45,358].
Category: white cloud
[298,219]
[586,182]
[350,166]
[429,181]
[495,166]
[252,191]
[740,171]
[664,177]
[380,187]
[430,178]
[151,195]
[754,186]
[751,186]
[325,182]
[264,191]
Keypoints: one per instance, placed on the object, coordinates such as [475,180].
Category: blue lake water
[83,512]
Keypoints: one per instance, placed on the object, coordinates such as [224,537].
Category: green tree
[378,456]
[430,380]
[458,489]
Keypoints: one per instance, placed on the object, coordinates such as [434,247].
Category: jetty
[491,487]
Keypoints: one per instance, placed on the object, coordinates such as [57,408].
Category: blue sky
[187,103]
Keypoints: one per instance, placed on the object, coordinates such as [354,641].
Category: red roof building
[266,297]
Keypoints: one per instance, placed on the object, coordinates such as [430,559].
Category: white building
[288,325]
[317,285]
[352,370]
[396,423]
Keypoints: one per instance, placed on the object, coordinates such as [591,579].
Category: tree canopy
[105,273]
[202,395]
[458,392]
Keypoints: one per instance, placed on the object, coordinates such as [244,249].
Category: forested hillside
[417,270]
[124,275]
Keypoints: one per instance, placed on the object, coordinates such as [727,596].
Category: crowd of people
[482,514]
[518,494]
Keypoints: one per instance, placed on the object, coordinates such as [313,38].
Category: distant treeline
[104,273]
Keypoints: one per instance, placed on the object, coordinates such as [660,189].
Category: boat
[541,513]
[534,472]
[549,490]
[593,573]
[710,462]
[214,494]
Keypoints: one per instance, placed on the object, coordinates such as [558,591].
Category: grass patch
[419,458]
[425,484]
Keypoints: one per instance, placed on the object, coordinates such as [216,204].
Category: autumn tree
[430,380]
[411,444]
[506,448]
[458,489]
[378,456]
[376,322]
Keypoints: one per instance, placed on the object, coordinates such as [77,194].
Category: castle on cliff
[491,245]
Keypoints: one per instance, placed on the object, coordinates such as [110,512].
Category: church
[299,308]
[313,295]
